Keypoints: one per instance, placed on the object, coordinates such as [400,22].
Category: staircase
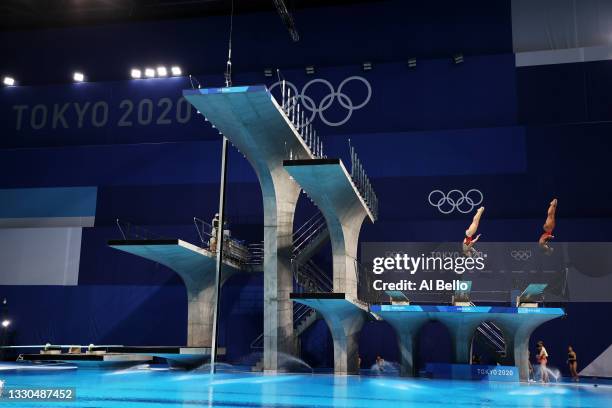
[309,238]
[492,335]
[307,276]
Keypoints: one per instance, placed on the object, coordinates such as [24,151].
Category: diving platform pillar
[406,330]
[330,186]
[196,267]
[461,328]
[345,318]
[256,125]
[517,324]
[517,333]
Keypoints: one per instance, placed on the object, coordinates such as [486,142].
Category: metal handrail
[498,345]
[201,231]
[305,224]
[308,231]
[309,272]
[493,329]
[362,182]
[256,252]
[254,343]
[129,230]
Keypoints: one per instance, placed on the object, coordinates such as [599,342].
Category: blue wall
[519,135]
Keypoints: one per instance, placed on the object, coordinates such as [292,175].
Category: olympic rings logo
[314,109]
[521,255]
[455,200]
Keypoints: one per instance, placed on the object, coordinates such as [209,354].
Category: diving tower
[196,266]
[267,133]
[328,183]
[516,323]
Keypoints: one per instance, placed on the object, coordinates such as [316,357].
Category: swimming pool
[162,388]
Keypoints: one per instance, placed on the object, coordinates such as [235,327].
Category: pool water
[146,387]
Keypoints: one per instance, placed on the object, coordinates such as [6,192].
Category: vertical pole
[215,331]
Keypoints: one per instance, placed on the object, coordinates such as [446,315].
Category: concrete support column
[346,348]
[344,240]
[519,344]
[461,329]
[406,326]
[280,198]
[344,318]
[200,308]
[407,345]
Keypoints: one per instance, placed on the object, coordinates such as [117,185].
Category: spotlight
[458,58]
[162,71]
[412,63]
[136,73]
[150,73]
[78,77]
[267,72]
[367,66]
[8,81]
[6,323]
[176,71]
[310,70]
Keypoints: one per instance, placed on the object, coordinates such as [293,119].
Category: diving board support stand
[516,323]
[256,125]
[345,318]
[330,186]
[196,267]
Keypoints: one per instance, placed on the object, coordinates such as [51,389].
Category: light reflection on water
[145,387]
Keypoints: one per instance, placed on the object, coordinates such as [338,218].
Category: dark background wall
[519,135]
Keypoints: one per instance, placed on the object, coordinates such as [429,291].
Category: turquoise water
[162,388]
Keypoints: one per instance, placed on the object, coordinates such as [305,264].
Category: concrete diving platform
[261,130]
[330,186]
[516,323]
[196,266]
[113,356]
[345,318]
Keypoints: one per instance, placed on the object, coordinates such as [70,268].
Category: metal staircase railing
[129,230]
[307,276]
[300,313]
[493,334]
[256,252]
[310,278]
[308,232]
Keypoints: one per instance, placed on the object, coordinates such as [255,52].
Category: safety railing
[256,254]
[291,106]
[362,182]
[133,231]
[233,249]
[309,278]
[257,343]
[204,230]
[492,333]
[307,232]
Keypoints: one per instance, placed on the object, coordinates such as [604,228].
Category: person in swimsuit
[548,227]
[572,363]
[542,357]
[470,240]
